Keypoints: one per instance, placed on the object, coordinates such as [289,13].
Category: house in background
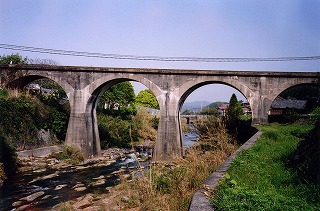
[246,109]
[222,109]
[280,104]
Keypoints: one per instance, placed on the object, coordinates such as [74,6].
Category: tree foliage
[23,115]
[115,131]
[118,100]
[209,111]
[147,99]
[233,114]
[8,157]
[13,59]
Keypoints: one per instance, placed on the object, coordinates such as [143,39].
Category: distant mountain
[194,106]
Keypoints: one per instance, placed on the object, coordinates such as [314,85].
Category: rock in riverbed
[32,197]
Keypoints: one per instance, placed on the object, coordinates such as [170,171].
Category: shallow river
[60,187]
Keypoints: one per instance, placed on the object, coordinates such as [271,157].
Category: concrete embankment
[40,152]
[200,202]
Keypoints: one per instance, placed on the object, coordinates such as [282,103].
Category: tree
[13,59]
[233,114]
[209,111]
[43,61]
[118,100]
[147,99]
[234,110]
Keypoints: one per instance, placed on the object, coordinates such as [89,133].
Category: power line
[153,58]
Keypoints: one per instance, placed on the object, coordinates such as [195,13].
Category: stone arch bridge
[84,86]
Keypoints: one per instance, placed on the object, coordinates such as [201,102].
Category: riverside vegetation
[170,186]
[274,174]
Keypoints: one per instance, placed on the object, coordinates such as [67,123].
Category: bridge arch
[308,92]
[96,90]
[194,86]
[288,86]
[186,89]
[186,92]
[22,81]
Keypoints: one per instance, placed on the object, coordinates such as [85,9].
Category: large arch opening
[294,102]
[123,115]
[211,99]
[38,113]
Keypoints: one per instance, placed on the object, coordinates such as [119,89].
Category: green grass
[259,180]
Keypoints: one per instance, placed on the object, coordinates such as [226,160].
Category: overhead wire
[152,58]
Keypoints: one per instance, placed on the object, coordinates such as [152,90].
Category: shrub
[22,115]
[290,115]
[70,154]
[213,134]
[3,93]
[144,123]
[306,159]
[116,132]
[8,157]
[315,115]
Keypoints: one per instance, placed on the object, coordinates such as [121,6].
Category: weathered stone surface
[32,197]
[83,202]
[23,207]
[98,182]
[78,185]
[79,189]
[39,152]
[16,204]
[45,137]
[98,178]
[59,187]
[45,177]
[45,197]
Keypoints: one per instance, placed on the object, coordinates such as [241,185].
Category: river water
[60,187]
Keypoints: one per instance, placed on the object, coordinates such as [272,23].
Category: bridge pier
[168,146]
[82,128]
[260,102]
[260,112]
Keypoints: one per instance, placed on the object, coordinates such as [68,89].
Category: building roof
[282,103]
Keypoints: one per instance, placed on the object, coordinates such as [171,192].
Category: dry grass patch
[170,186]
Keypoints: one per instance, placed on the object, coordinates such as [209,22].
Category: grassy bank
[258,178]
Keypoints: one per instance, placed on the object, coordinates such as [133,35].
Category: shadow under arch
[97,90]
[302,97]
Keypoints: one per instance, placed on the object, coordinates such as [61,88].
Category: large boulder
[45,137]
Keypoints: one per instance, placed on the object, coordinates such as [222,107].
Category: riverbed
[43,188]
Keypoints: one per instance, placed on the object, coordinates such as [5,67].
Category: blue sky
[212,28]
